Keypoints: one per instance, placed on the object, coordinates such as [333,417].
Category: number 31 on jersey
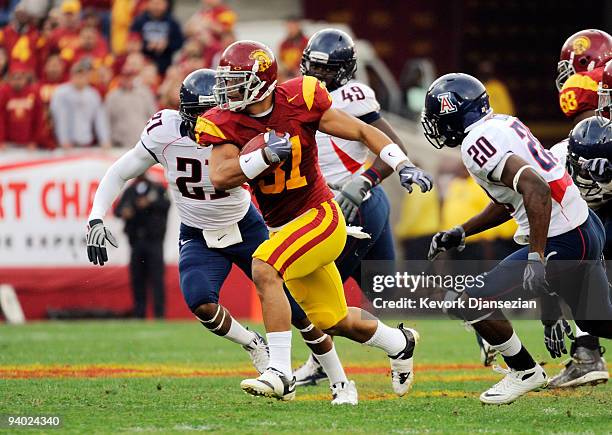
[291,165]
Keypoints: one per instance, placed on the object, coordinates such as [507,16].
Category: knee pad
[197,289]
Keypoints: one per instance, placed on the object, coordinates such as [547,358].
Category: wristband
[253,164]
[393,155]
[372,176]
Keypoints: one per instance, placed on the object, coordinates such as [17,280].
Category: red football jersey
[579,93]
[297,185]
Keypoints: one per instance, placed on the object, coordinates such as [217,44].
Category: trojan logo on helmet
[583,51]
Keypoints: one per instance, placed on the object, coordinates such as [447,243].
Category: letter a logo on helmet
[446,104]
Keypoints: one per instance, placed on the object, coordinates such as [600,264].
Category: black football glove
[410,175]
[278,148]
[534,277]
[352,195]
[445,240]
[554,337]
[97,235]
[600,169]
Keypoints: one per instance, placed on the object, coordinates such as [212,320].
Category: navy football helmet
[452,103]
[589,139]
[330,57]
[196,95]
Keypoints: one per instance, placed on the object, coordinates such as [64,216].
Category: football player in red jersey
[582,59]
[307,228]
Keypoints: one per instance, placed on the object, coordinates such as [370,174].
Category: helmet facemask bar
[342,71]
[565,69]
[581,177]
[430,128]
[604,106]
[190,111]
[235,90]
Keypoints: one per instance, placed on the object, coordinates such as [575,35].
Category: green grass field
[108,377]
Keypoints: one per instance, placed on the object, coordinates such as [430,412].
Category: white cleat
[402,373]
[514,385]
[309,373]
[271,383]
[344,393]
[258,351]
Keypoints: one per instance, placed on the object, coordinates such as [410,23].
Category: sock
[239,334]
[521,361]
[510,347]
[279,344]
[515,354]
[391,340]
[332,366]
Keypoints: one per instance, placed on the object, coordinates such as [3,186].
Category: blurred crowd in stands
[84,73]
[81,73]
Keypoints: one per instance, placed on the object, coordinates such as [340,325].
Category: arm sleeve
[133,163]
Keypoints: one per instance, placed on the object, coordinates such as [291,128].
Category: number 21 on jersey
[295,180]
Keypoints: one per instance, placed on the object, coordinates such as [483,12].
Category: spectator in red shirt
[54,74]
[66,35]
[20,109]
[90,44]
[211,22]
[19,39]
[292,47]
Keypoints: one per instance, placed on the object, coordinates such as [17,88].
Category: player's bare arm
[229,169]
[518,175]
[379,165]
[492,216]
[337,123]
[225,171]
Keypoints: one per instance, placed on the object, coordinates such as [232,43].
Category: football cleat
[487,353]
[344,393]
[271,383]
[515,384]
[309,373]
[585,367]
[259,353]
[402,373]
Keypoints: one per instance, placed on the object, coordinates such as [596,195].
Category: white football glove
[97,235]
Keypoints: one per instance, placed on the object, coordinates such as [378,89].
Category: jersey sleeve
[358,100]
[315,99]
[162,129]
[211,130]
[485,152]
[559,150]
[578,95]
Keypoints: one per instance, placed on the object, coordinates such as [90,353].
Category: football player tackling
[564,238]
[306,225]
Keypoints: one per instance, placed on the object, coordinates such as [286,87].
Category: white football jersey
[485,150]
[595,196]
[340,159]
[186,165]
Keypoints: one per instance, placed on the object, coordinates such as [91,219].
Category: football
[258,143]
